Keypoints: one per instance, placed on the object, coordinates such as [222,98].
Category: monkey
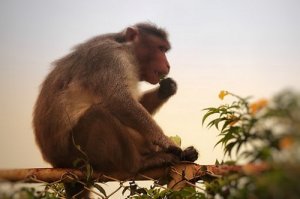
[91,98]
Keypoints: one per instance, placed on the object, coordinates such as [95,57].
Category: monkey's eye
[163,49]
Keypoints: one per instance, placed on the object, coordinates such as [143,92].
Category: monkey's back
[67,93]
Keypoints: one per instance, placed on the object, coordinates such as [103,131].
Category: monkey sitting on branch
[91,99]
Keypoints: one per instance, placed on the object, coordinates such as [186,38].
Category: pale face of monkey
[151,55]
[154,63]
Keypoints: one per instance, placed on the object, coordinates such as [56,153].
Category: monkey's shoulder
[101,43]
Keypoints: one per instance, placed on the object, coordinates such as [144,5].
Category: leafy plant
[265,132]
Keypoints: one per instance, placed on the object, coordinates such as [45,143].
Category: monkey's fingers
[167,88]
[189,154]
[175,150]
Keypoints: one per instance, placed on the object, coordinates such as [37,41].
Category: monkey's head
[150,46]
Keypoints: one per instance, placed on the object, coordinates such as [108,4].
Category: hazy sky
[249,47]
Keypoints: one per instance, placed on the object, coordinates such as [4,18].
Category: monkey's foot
[189,154]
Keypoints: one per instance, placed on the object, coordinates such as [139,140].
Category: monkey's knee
[189,154]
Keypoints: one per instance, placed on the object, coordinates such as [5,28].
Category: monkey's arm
[132,114]
[112,75]
[152,100]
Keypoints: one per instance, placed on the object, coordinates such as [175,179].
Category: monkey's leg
[159,159]
[109,145]
[169,157]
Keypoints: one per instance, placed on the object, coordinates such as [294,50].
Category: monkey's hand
[189,154]
[167,88]
[175,150]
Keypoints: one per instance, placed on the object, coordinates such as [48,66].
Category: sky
[246,47]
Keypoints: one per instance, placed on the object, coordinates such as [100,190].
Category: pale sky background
[249,47]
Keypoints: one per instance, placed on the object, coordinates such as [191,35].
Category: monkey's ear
[131,33]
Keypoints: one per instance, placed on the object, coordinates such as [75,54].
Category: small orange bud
[222,94]
[234,119]
[257,106]
[286,142]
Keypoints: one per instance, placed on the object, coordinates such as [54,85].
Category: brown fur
[91,96]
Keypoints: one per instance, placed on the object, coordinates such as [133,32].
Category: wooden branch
[50,175]
[182,175]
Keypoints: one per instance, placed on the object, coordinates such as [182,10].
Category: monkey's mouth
[160,75]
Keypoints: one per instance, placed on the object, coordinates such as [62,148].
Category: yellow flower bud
[222,94]
[286,142]
[257,106]
[234,119]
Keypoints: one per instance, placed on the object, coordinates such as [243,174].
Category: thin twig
[121,185]
[156,184]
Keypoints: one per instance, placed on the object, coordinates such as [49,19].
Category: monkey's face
[151,55]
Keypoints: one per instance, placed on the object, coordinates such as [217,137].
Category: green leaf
[224,111]
[236,130]
[210,112]
[215,122]
[240,143]
[220,141]
[176,139]
[210,109]
[100,188]
[125,189]
[224,132]
[247,154]
[229,136]
[89,172]
[226,123]
[229,147]
[234,106]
